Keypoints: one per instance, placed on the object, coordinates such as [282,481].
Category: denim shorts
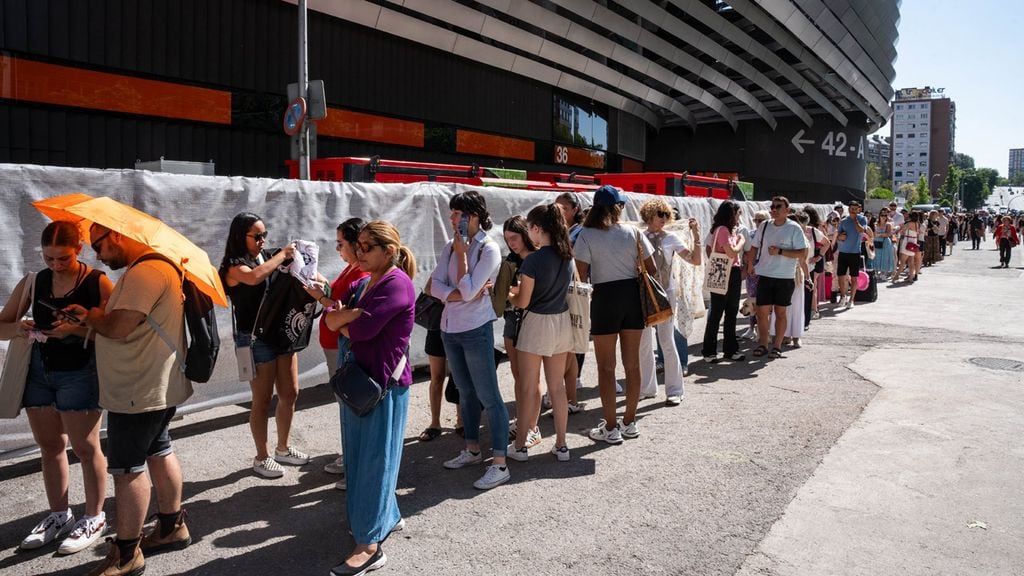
[134,438]
[72,391]
[261,351]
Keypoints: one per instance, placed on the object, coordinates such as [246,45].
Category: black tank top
[65,354]
[245,299]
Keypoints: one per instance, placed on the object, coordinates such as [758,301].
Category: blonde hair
[650,208]
[385,234]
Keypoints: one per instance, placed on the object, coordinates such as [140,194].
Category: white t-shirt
[788,236]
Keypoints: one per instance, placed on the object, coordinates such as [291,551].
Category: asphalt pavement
[887,444]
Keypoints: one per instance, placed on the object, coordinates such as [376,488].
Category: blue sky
[975,50]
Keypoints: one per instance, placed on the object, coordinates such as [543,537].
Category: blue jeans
[72,391]
[471,360]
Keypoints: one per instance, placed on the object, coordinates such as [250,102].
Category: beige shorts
[545,334]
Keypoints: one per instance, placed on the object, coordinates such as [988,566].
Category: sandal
[760,351]
[776,353]
[429,434]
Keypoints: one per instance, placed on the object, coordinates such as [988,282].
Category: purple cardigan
[381,335]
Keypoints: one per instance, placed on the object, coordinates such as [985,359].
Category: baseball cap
[608,195]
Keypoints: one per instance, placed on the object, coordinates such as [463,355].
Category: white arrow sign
[797,142]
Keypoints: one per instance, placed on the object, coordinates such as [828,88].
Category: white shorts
[545,334]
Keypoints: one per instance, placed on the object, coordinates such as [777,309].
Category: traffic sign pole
[303,87]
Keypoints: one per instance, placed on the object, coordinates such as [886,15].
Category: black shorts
[433,346]
[775,291]
[615,306]
[132,438]
[848,264]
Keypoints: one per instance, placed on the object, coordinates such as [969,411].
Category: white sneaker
[268,468]
[87,530]
[335,466]
[465,458]
[518,454]
[291,456]
[579,384]
[618,389]
[561,453]
[575,407]
[545,402]
[494,476]
[341,485]
[612,436]
[533,438]
[630,430]
[50,529]
[674,400]
[849,303]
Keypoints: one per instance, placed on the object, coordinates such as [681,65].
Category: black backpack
[201,325]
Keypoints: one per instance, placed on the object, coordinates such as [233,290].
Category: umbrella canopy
[142,228]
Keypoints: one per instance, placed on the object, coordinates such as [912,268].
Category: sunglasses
[778,206]
[365,248]
[96,243]
[259,236]
[663,214]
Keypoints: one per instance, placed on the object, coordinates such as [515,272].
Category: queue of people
[87,328]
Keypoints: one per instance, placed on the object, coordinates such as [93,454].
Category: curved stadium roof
[670,62]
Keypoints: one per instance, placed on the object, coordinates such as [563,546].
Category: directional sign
[798,143]
[294,116]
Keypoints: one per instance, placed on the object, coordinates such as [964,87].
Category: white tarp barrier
[201,208]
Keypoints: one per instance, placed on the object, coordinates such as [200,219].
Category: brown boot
[178,539]
[111,565]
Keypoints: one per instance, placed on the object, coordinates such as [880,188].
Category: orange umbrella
[142,228]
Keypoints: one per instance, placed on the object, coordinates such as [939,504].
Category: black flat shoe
[376,561]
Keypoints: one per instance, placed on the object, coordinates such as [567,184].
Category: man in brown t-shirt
[141,384]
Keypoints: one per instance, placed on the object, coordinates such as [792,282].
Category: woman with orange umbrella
[245,271]
[62,392]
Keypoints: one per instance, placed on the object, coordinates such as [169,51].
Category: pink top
[722,239]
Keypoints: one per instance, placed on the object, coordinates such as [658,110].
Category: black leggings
[1004,250]
[729,306]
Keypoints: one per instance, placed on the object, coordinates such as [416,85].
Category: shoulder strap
[760,247]
[149,319]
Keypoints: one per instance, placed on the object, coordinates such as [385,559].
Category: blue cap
[608,195]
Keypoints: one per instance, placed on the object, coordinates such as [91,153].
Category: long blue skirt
[373,453]
[885,258]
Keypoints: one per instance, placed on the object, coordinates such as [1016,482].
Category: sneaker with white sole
[518,454]
[601,433]
[291,456]
[673,400]
[561,453]
[268,468]
[335,466]
[545,402]
[629,430]
[54,526]
[849,303]
[494,476]
[341,485]
[533,437]
[575,407]
[86,531]
[465,458]
[579,383]
[618,389]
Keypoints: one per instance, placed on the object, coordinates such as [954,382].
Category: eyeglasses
[96,243]
[364,248]
[778,206]
[259,236]
[663,214]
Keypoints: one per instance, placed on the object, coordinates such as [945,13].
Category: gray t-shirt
[551,276]
[610,253]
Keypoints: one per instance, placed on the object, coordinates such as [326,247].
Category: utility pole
[303,93]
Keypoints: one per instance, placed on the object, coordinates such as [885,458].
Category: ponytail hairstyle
[61,233]
[548,218]
[385,234]
[472,202]
[571,199]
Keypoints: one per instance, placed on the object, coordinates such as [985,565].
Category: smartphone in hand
[464,227]
[58,313]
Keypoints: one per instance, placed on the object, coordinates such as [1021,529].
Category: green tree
[963,161]
[881,193]
[908,192]
[1017,180]
[923,196]
[949,190]
[989,176]
[873,176]
[975,191]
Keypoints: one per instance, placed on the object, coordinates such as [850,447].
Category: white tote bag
[17,359]
[578,299]
[717,271]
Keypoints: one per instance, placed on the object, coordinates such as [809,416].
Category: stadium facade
[782,93]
